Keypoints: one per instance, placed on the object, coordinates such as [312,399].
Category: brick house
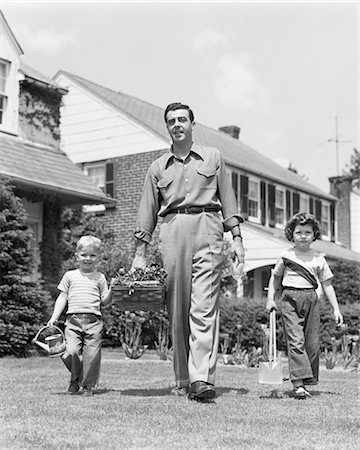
[346,189]
[43,176]
[114,137]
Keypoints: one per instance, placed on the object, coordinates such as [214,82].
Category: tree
[353,168]
[23,304]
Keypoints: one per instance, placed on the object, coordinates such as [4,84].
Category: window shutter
[263,201]
[271,202]
[109,179]
[332,221]
[288,205]
[244,194]
[296,202]
[311,205]
[234,182]
[318,210]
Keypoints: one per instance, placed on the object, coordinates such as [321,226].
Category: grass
[132,409]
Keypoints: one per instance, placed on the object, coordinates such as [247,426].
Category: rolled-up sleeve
[227,199]
[148,208]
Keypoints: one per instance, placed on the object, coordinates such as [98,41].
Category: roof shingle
[48,169]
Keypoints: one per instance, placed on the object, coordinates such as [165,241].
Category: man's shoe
[73,387]
[200,390]
[179,391]
[301,393]
[310,381]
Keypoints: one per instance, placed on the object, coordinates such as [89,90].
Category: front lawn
[133,409]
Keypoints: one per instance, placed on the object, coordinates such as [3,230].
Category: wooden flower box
[140,296]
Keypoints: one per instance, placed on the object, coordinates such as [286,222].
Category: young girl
[297,273]
[83,290]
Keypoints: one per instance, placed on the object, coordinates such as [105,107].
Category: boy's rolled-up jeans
[83,334]
[301,320]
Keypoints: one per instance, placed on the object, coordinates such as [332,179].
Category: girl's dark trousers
[301,321]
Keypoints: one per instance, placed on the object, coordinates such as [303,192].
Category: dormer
[10,53]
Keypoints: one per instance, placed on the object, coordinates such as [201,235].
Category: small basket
[51,339]
[140,296]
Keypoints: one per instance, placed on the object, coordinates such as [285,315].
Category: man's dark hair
[302,218]
[178,105]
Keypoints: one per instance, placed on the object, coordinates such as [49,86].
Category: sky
[281,71]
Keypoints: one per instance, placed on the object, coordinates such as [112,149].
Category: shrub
[240,321]
[23,304]
[346,281]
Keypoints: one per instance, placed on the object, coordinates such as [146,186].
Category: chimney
[232,130]
[340,187]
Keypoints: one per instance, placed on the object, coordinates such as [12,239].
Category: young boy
[298,271]
[83,290]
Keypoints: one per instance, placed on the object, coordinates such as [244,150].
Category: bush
[240,320]
[346,281]
[23,304]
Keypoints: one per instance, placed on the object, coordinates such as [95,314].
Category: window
[97,174]
[254,193]
[325,219]
[279,206]
[102,175]
[304,203]
[3,98]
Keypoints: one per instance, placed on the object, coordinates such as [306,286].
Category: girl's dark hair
[302,218]
[178,105]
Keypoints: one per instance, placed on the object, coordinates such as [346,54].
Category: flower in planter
[153,273]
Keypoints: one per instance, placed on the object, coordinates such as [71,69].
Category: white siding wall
[355,221]
[91,130]
[9,52]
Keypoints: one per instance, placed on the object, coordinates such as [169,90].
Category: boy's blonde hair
[85,241]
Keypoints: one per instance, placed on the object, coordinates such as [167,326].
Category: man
[187,187]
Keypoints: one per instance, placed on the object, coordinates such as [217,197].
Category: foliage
[353,169]
[23,304]
[40,108]
[240,320]
[346,281]
[131,334]
[163,344]
[131,277]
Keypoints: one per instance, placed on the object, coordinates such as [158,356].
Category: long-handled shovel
[271,372]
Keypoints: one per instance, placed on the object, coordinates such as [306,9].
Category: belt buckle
[186,210]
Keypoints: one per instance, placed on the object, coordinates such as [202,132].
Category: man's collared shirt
[200,179]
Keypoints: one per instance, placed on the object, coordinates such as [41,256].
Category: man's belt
[194,210]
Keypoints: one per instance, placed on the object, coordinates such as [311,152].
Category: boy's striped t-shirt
[84,291]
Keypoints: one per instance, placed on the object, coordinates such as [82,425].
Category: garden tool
[271,372]
[51,339]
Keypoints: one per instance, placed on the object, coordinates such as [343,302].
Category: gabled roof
[32,74]
[11,34]
[234,151]
[47,170]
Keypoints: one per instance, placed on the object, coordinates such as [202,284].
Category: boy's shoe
[300,393]
[179,391]
[88,392]
[73,387]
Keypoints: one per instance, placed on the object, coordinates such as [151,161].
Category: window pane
[279,198]
[304,204]
[2,107]
[253,208]
[253,190]
[325,219]
[97,174]
[2,77]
